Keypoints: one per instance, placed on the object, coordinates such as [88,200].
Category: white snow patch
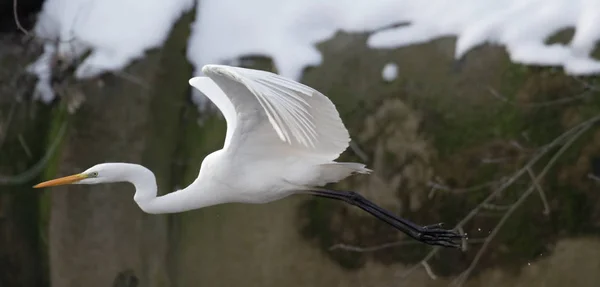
[389,72]
[288,32]
[116,31]
[522,26]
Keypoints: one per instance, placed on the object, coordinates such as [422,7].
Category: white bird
[282,139]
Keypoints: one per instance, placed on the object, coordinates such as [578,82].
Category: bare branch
[359,249]
[538,187]
[428,270]
[358,151]
[593,177]
[496,160]
[459,281]
[568,135]
[439,186]
[29,34]
[24,146]
[495,207]
[16,16]
[583,126]
[587,85]
[4,129]
[132,78]
[538,104]
[372,248]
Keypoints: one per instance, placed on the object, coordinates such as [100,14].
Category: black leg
[429,234]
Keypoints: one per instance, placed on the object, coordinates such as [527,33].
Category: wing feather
[287,122]
[270,108]
[217,97]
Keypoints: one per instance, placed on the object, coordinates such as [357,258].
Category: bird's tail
[336,171]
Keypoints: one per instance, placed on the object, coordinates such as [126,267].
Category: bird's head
[100,173]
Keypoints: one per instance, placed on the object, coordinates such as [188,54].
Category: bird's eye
[93,174]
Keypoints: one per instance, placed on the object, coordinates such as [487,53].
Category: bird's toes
[454,235]
[434,235]
[441,241]
[436,230]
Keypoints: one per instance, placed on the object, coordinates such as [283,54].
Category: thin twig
[132,78]
[593,177]
[3,134]
[359,249]
[495,207]
[436,185]
[17,21]
[541,192]
[24,146]
[428,270]
[28,33]
[463,277]
[359,152]
[496,160]
[537,104]
[587,85]
[353,248]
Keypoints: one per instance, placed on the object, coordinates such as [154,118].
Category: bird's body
[282,138]
[257,164]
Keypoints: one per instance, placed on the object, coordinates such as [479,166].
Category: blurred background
[508,152]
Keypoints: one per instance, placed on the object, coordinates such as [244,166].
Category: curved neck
[192,197]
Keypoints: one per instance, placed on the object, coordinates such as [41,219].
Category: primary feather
[260,106]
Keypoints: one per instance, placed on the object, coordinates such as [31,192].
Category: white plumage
[263,104]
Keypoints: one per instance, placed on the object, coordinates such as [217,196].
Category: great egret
[282,138]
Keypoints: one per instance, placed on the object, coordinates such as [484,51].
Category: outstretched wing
[266,113]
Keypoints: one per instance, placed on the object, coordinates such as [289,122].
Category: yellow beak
[61,181]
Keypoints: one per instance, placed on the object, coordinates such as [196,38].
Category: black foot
[429,234]
[435,235]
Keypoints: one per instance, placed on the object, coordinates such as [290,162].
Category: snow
[521,26]
[287,31]
[115,31]
[389,72]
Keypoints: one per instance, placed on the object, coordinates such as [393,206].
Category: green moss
[22,147]
[455,124]
[528,233]
[59,121]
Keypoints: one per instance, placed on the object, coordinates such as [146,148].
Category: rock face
[440,138]
[22,129]
[98,236]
